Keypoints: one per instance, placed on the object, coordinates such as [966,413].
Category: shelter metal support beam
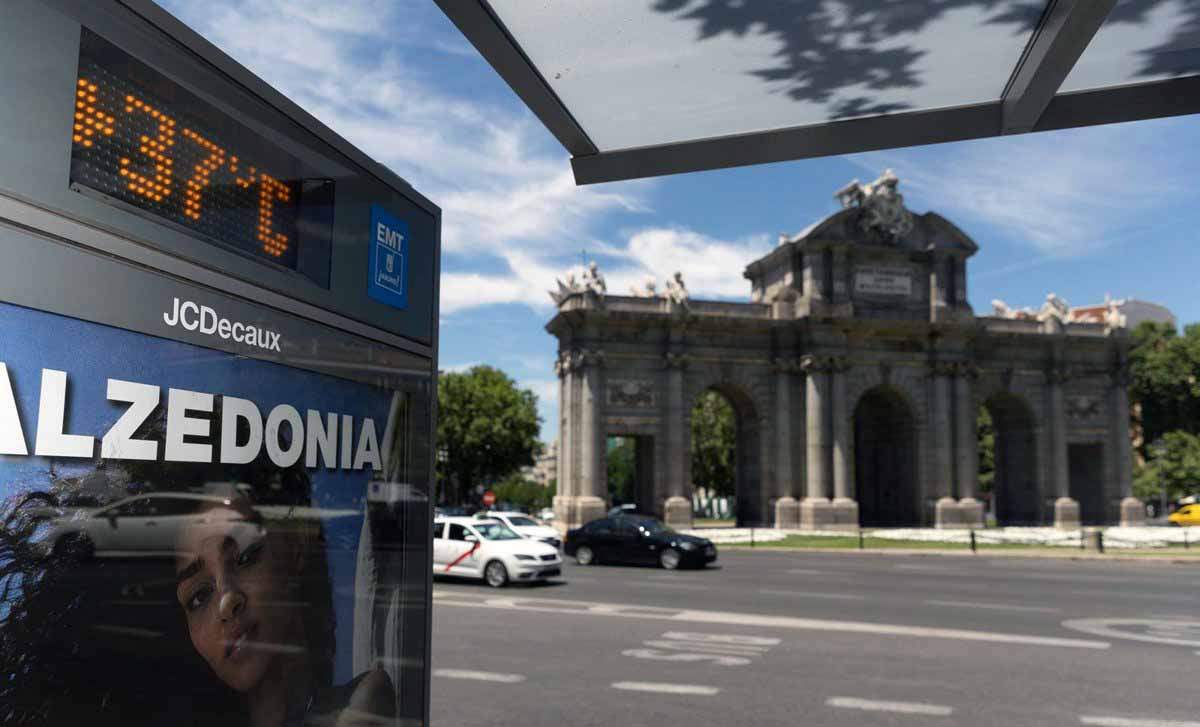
[497,46]
[1066,29]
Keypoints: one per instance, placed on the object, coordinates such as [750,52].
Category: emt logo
[194,317]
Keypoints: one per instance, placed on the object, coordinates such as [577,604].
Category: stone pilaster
[677,509]
[817,511]
[787,508]
[1066,509]
[941,438]
[845,509]
[1132,510]
[582,470]
[966,446]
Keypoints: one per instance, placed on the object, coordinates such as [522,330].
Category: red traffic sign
[489,498]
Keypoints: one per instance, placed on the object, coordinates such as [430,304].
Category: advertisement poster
[187,534]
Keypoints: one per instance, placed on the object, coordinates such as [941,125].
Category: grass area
[851,542]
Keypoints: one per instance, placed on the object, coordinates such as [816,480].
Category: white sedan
[490,550]
[526,526]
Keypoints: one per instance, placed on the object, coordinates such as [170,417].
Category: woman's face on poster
[233,583]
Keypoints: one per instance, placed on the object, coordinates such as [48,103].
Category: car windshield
[522,522]
[494,530]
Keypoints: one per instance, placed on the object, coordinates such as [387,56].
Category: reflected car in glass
[138,526]
[637,540]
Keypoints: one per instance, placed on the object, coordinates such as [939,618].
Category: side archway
[885,459]
[1014,485]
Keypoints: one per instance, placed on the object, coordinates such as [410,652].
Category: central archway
[743,455]
[885,462]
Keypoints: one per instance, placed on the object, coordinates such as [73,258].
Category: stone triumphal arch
[856,374]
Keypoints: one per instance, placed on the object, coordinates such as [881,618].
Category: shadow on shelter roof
[636,88]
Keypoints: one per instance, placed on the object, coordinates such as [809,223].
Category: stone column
[816,509]
[677,509]
[966,449]
[787,508]
[564,498]
[1133,510]
[845,509]
[593,481]
[1066,509]
[941,440]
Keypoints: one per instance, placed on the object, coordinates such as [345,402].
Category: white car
[489,549]
[526,526]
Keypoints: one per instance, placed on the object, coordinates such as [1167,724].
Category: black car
[638,539]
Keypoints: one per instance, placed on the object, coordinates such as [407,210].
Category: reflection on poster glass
[188,537]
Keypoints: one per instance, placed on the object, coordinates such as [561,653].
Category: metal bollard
[861,543]
[973,541]
[1093,540]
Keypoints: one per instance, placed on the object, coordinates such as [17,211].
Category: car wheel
[584,555]
[75,547]
[669,559]
[495,574]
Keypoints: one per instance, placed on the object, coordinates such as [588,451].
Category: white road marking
[545,605]
[812,594]
[940,570]
[1177,633]
[871,705]
[1126,722]
[479,676]
[663,688]
[994,606]
[805,572]
[660,584]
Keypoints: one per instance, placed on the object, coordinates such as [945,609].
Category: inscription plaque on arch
[883,280]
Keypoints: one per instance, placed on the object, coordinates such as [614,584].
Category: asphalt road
[825,639]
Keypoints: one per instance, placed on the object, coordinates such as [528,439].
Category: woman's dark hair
[103,641]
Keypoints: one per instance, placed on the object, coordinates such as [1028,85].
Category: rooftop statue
[882,206]
[649,289]
[677,292]
[590,282]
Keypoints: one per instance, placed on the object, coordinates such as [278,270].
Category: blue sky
[1079,213]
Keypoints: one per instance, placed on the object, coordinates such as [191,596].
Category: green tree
[487,429]
[714,440]
[526,494]
[986,435]
[1165,388]
[1173,468]
[622,468]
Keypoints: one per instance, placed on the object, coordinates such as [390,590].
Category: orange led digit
[202,172]
[145,143]
[269,190]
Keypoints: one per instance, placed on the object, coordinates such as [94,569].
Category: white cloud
[546,389]
[1062,193]
[373,70]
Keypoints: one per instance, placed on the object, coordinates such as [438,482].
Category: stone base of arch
[1133,513]
[677,512]
[1066,514]
[787,513]
[950,514]
[820,513]
[572,511]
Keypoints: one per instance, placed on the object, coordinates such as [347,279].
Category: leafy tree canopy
[487,429]
[1173,467]
[714,437]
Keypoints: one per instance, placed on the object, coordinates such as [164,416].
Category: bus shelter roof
[640,88]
